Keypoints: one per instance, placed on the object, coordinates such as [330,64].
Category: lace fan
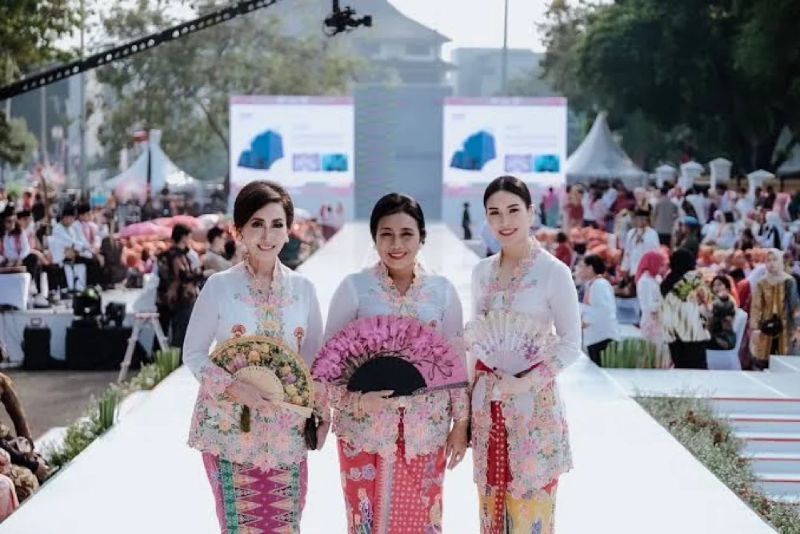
[508,341]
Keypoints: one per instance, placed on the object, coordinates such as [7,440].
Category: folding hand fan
[510,342]
[389,352]
[270,365]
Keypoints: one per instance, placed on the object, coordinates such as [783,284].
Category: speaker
[36,346]
[93,348]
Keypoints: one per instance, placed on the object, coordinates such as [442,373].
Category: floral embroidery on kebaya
[402,304]
[269,299]
[275,438]
[491,288]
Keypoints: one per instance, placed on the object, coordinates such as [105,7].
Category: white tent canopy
[600,157]
[133,180]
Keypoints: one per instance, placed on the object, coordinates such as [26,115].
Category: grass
[692,422]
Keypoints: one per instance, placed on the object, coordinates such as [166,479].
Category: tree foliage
[726,71]
[183,87]
[18,144]
[29,30]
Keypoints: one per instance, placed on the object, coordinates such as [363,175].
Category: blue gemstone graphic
[334,162]
[478,150]
[266,149]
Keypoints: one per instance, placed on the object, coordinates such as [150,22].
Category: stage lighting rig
[344,20]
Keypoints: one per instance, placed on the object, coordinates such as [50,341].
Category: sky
[479,23]
[468,23]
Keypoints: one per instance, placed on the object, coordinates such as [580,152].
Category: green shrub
[107,408]
[167,361]
[78,436]
[631,353]
[146,379]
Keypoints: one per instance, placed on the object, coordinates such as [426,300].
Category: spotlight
[87,305]
[344,20]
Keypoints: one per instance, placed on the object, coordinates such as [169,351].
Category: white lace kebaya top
[431,299]
[234,302]
[538,441]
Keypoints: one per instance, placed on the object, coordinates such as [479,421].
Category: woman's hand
[457,443]
[248,395]
[372,401]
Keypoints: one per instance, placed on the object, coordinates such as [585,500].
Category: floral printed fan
[508,341]
[268,364]
[390,353]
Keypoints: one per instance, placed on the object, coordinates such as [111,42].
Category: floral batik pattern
[534,515]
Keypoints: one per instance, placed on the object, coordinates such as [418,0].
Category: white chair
[729,359]
[628,311]
[15,289]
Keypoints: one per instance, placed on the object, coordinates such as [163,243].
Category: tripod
[139,321]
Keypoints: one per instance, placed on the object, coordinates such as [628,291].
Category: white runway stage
[630,476]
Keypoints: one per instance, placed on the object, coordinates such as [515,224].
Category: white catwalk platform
[630,476]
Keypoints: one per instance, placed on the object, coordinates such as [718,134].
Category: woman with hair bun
[520,440]
[393,450]
[256,464]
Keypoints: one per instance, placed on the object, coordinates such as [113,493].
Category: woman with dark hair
[723,312]
[393,451]
[686,298]
[215,260]
[517,466]
[258,474]
[599,308]
[178,285]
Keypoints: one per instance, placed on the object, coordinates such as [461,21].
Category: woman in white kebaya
[258,474]
[519,431]
[393,451]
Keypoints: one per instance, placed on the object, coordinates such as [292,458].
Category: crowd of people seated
[690,259]
[68,246]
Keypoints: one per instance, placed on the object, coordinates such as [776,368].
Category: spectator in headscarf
[719,232]
[689,237]
[685,299]
[651,267]
[772,308]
